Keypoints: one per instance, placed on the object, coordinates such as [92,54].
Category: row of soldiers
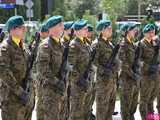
[67,70]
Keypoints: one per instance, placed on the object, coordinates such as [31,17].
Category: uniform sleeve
[7,75]
[98,52]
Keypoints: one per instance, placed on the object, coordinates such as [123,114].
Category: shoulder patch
[73,43]
[122,43]
[45,45]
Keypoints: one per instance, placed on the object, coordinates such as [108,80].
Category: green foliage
[115,8]
[91,18]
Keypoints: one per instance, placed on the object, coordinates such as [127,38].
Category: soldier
[78,58]
[148,90]
[90,34]
[67,32]
[90,94]
[107,67]
[43,31]
[129,87]
[13,65]
[43,35]
[67,36]
[48,64]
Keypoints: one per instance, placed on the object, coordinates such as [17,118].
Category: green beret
[90,28]
[127,27]
[14,21]
[43,28]
[103,24]
[68,25]
[79,24]
[148,28]
[53,21]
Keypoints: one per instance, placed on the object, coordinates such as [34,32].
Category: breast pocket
[130,55]
[56,60]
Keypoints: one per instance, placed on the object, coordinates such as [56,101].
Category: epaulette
[44,43]
[142,43]
[122,43]
[94,43]
[73,43]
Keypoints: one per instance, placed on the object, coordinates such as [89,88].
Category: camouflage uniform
[158,95]
[106,82]
[66,103]
[13,64]
[148,90]
[49,58]
[38,95]
[90,94]
[78,58]
[158,92]
[129,87]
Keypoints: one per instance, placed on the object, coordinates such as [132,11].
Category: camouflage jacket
[13,65]
[147,52]
[48,62]
[78,57]
[127,56]
[104,51]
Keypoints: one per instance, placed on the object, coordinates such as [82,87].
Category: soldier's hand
[24,98]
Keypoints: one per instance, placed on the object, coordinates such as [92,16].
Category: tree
[115,8]
[44,8]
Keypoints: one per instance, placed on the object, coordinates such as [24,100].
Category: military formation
[70,65]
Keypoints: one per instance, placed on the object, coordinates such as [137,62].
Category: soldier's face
[107,32]
[132,33]
[18,31]
[44,35]
[57,30]
[152,33]
[89,35]
[82,32]
[67,32]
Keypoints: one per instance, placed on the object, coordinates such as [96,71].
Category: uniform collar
[66,38]
[129,40]
[148,41]
[56,40]
[17,41]
[82,40]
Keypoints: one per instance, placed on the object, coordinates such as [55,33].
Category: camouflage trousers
[15,110]
[49,104]
[148,92]
[76,103]
[12,107]
[89,98]
[105,97]
[129,97]
[65,105]
[158,94]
